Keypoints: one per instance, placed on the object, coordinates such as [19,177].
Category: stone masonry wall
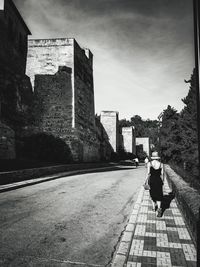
[53,102]
[53,109]
[7,142]
[13,32]
[109,120]
[15,88]
[46,55]
[16,99]
[144,141]
[105,146]
[84,103]
[76,122]
[84,91]
[129,139]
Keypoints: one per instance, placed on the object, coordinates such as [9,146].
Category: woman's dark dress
[156,184]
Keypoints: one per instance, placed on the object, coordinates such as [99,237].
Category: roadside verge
[38,179]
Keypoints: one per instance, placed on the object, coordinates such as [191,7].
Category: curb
[9,187]
[121,256]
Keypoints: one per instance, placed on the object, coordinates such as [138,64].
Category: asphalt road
[71,221]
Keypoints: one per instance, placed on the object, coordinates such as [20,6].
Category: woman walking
[155,179]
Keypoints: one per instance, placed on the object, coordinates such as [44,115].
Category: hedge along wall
[188,199]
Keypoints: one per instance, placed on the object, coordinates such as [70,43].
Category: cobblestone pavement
[152,241]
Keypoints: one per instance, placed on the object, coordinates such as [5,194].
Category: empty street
[71,221]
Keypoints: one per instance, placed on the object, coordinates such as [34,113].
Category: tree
[189,128]
[138,123]
[143,128]
[179,138]
[170,135]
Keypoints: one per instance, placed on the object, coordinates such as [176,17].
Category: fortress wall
[129,139]
[46,55]
[52,102]
[109,120]
[64,102]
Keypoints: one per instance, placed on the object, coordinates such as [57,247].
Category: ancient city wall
[7,142]
[13,45]
[109,120]
[15,87]
[84,91]
[144,142]
[46,55]
[64,104]
[58,98]
[53,102]
[105,149]
[128,135]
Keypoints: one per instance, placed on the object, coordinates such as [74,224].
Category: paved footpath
[152,241]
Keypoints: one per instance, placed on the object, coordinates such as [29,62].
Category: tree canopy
[143,128]
[178,134]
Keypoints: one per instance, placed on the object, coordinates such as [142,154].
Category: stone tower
[144,143]
[110,121]
[61,73]
[128,137]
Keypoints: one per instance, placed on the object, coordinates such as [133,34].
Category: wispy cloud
[142,49]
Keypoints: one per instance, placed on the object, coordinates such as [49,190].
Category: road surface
[71,221]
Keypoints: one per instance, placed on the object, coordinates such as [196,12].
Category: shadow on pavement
[167,199]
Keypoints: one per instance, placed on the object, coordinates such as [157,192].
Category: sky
[143,49]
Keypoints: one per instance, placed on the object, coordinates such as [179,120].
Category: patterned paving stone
[161,241]
[173,237]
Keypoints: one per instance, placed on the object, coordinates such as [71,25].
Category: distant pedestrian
[136,162]
[155,179]
[146,161]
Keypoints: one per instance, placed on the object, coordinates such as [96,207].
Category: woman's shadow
[166,201]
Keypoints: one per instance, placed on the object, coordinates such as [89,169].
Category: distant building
[15,88]
[143,144]
[110,122]
[128,139]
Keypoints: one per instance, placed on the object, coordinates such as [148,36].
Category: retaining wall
[188,199]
